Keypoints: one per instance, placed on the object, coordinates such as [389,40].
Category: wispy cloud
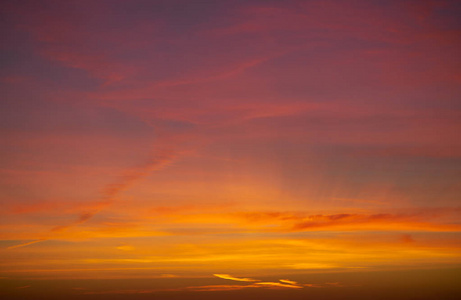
[280,285]
[436,219]
[388,221]
[159,160]
[227,276]
[283,283]
[24,287]
[222,75]
[81,219]
[26,244]
[288,281]
[125,247]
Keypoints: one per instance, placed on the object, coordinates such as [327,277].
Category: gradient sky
[225,142]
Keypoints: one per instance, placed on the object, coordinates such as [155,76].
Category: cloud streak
[283,283]
[442,219]
[229,277]
[159,160]
[384,221]
[26,244]
[280,285]
[288,281]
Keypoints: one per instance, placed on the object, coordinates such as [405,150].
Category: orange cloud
[284,283]
[81,219]
[372,221]
[430,220]
[125,247]
[227,276]
[288,281]
[26,244]
[24,287]
[160,159]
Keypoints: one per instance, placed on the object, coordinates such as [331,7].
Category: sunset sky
[195,147]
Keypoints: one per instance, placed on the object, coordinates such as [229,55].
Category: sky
[187,148]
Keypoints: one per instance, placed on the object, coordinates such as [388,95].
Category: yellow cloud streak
[284,283]
[288,281]
[278,284]
[227,276]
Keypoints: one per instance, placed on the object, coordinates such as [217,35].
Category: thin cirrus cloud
[25,244]
[278,284]
[284,283]
[438,219]
[227,276]
[111,191]
[288,281]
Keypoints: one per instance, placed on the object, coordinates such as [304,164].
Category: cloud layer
[217,137]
